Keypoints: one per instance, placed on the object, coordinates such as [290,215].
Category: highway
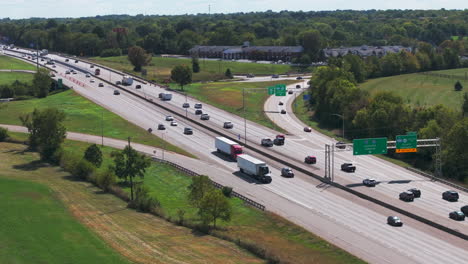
[348,222]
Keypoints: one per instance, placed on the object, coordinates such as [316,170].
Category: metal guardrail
[434,178]
[215,184]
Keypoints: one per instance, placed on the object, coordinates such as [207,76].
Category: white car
[92,80]
[88,75]
[169,118]
[174,123]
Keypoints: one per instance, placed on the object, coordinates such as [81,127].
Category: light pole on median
[342,118]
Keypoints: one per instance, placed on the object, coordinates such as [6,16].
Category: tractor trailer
[228,147]
[254,168]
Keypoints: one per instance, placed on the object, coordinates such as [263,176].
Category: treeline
[334,91]
[40,87]
[177,34]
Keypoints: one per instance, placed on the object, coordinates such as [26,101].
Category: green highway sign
[408,141]
[367,146]
[280,90]
[271,90]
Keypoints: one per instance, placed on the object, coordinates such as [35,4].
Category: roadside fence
[447,76]
[215,184]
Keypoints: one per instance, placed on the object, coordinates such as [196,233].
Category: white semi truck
[254,168]
[228,147]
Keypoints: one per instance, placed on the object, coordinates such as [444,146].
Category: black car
[198,112]
[228,125]
[267,142]
[457,215]
[407,196]
[67,60]
[451,196]
[348,167]
[188,131]
[280,103]
[205,117]
[298,78]
[101,85]
[464,209]
[116,92]
[394,221]
[138,86]
[161,127]
[186,105]
[416,192]
[198,106]
[290,92]
[76,61]
[298,86]
[369,182]
[283,111]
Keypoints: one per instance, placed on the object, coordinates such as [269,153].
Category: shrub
[3,134]
[68,161]
[106,179]
[227,191]
[111,52]
[181,215]
[143,201]
[83,170]
[458,86]
[94,155]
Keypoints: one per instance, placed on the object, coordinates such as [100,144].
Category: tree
[129,164]
[46,130]
[182,75]
[465,105]
[3,134]
[106,179]
[458,86]
[41,83]
[94,155]
[214,206]
[195,65]
[228,73]
[454,153]
[200,186]
[138,57]
[356,67]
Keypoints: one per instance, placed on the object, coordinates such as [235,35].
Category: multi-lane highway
[347,221]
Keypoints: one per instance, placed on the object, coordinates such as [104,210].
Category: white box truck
[228,147]
[254,168]
[127,80]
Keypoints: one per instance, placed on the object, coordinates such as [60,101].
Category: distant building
[364,51]
[247,52]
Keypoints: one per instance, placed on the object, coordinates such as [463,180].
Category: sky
[83,8]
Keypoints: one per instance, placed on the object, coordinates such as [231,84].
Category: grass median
[160,68]
[84,116]
[10,63]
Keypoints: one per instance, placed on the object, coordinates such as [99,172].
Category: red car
[307,129]
[310,160]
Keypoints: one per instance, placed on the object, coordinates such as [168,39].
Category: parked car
[188,131]
[169,118]
[283,111]
[198,112]
[298,78]
[185,105]
[138,86]
[205,117]
[307,129]
[394,221]
[416,192]
[287,172]
[369,182]
[464,209]
[340,145]
[310,160]
[161,127]
[228,125]
[298,86]
[174,123]
[280,103]
[451,196]
[348,167]
[116,92]
[101,85]
[457,215]
[407,196]
[266,142]
[198,106]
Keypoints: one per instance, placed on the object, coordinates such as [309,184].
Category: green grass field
[10,63]
[10,77]
[228,96]
[37,228]
[84,116]
[160,68]
[422,90]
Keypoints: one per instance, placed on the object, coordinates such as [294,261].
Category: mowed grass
[228,96]
[10,63]
[37,228]
[160,68]
[84,116]
[141,238]
[9,77]
[421,90]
